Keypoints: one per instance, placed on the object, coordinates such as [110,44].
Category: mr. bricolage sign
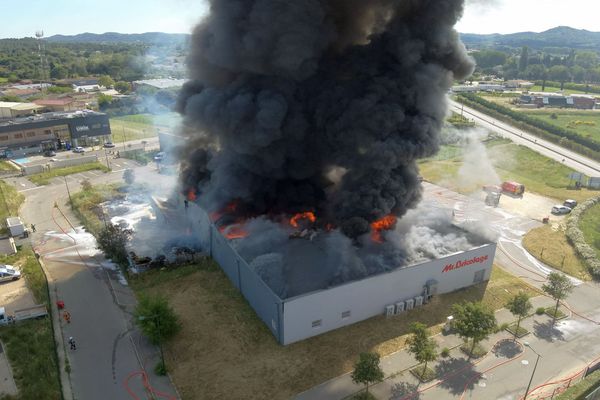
[464,263]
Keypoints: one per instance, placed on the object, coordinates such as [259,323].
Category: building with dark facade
[52,131]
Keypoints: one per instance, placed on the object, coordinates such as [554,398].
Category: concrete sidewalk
[399,381]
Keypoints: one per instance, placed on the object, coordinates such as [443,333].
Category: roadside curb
[65,378]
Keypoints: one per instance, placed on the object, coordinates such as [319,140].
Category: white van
[9,273]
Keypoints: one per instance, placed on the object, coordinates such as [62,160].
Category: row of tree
[20,59]
[472,321]
[580,66]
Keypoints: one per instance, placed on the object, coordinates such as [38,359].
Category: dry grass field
[549,245]
[225,352]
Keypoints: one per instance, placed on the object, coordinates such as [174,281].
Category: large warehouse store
[301,316]
[51,131]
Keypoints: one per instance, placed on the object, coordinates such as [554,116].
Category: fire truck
[513,188]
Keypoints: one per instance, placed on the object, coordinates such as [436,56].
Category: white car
[558,209]
[9,273]
[78,149]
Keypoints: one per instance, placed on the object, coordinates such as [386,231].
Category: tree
[524,59]
[519,306]
[104,101]
[473,321]
[122,87]
[559,73]
[420,345]
[129,176]
[106,81]
[156,318]
[112,241]
[559,286]
[367,370]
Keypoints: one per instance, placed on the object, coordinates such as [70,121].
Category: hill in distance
[151,38]
[561,36]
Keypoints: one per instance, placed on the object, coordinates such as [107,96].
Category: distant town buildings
[51,131]
[166,83]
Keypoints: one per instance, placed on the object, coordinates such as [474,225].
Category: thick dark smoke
[283,93]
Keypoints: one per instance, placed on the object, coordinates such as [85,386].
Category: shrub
[540,311]
[445,352]
[576,238]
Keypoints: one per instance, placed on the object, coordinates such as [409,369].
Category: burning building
[306,120]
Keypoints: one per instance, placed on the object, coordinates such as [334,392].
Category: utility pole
[106,155]
[68,192]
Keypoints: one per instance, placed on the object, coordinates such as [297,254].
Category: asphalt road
[106,364]
[569,158]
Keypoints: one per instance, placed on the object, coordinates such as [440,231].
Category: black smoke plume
[318,105]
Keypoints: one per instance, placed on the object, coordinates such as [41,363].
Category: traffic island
[521,332]
[423,374]
[478,350]
[557,315]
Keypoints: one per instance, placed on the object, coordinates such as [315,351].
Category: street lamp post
[106,155]
[160,346]
[68,191]
[532,372]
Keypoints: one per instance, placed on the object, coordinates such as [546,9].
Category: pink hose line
[147,386]
[143,374]
[570,377]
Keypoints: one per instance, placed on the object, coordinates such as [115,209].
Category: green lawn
[590,226]
[30,344]
[141,126]
[586,124]
[538,173]
[6,166]
[85,205]
[44,177]
[10,202]
[3,80]
[552,89]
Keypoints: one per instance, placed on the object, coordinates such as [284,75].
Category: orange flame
[305,215]
[384,224]
[235,231]
[191,195]
[228,209]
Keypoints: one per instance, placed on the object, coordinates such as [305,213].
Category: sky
[68,17]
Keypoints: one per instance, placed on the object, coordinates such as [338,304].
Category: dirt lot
[530,205]
[225,352]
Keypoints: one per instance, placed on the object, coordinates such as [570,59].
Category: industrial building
[318,309]
[50,131]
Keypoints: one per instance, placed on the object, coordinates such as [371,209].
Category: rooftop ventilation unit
[389,310]
[399,307]
[418,301]
[410,303]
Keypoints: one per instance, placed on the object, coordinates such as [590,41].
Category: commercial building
[328,307]
[16,110]
[47,131]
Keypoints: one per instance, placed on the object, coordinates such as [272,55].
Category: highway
[569,158]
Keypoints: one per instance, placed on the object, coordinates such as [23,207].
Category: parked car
[78,149]
[109,145]
[9,273]
[570,203]
[559,210]
[49,153]
[160,156]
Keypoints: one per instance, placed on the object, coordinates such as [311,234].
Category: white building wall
[368,297]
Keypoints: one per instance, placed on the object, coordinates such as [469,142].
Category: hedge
[576,238]
[564,137]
